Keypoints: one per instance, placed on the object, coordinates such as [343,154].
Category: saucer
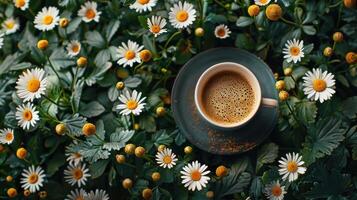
[204,135]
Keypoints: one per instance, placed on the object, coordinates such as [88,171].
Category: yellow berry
[221,171]
[147,193]
[42,194]
[210,194]
[82,61]
[288,71]
[155,176]
[120,85]
[122,73]
[127,183]
[9,178]
[273,12]
[12,192]
[61,129]
[187,149]
[328,51]
[280,85]
[337,37]
[349,3]
[145,55]
[199,32]
[63,22]
[136,126]
[129,149]
[42,44]
[161,147]
[283,95]
[351,57]
[160,111]
[253,10]
[140,151]
[88,129]
[120,158]
[27,193]
[276,76]
[21,153]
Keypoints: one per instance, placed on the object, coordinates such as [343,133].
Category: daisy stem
[288,21]
[136,67]
[32,13]
[130,165]
[46,97]
[53,69]
[294,116]
[335,5]
[73,138]
[99,138]
[74,79]
[133,118]
[221,4]
[172,37]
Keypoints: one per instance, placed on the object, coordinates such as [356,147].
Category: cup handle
[267,102]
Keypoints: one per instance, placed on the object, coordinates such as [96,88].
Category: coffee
[227,98]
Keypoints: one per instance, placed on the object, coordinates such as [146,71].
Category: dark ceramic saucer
[201,133]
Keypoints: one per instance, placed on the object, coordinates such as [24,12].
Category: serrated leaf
[74,124]
[306,111]
[267,154]
[232,184]
[118,139]
[349,107]
[76,95]
[98,74]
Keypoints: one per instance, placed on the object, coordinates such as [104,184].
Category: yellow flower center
[79,198]
[292,166]
[77,155]
[167,159]
[155,28]
[33,178]
[181,16]
[221,32]
[77,174]
[276,191]
[19,3]
[48,19]
[75,48]
[196,175]
[27,115]
[143,2]
[9,136]
[9,24]
[90,14]
[130,55]
[263,1]
[33,85]
[319,85]
[294,51]
[131,104]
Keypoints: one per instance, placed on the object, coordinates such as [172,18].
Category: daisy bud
[210,194]
[129,149]
[120,158]
[122,73]
[276,76]
[273,12]
[88,129]
[2,148]
[160,111]
[120,85]
[164,70]
[140,151]
[42,44]
[166,99]
[63,23]
[60,129]
[221,171]
[42,194]
[21,153]
[253,10]
[283,95]
[155,176]
[349,3]
[337,37]
[145,55]
[187,149]
[351,57]
[147,193]
[9,178]
[127,183]
[199,32]
[27,193]
[136,126]
[12,192]
[280,85]
[288,71]
[161,147]
[328,51]
[81,61]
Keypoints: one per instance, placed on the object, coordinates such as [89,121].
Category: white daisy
[76,174]
[6,136]
[47,19]
[166,158]
[97,195]
[73,48]
[77,194]
[22,4]
[1,39]
[74,158]
[10,25]
[222,31]
[131,103]
[143,5]
[194,176]
[294,50]
[157,25]
[31,84]
[89,12]
[291,166]
[33,178]
[182,15]
[262,2]
[128,54]
[319,85]
[274,191]
[27,115]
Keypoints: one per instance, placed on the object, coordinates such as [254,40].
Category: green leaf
[243,21]
[244,41]
[113,93]
[118,139]
[267,154]
[161,137]
[256,187]
[112,27]
[76,95]
[98,73]
[95,39]
[306,111]
[98,168]
[74,124]
[102,57]
[216,19]
[308,48]
[73,25]
[91,109]
[55,163]
[349,107]
[60,60]
[132,82]
[351,138]
[289,83]
[310,30]
[148,44]
[232,184]
[148,123]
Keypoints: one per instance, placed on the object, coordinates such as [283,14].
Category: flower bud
[283,95]
[337,37]
[351,57]
[60,129]
[160,111]
[187,149]
[349,3]
[127,183]
[221,171]
[145,55]
[9,178]
[129,149]
[147,193]
[120,85]
[42,44]
[253,10]
[63,23]
[280,85]
[155,176]
[273,12]
[11,192]
[82,61]
[140,151]
[161,147]
[288,71]
[88,129]
[328,51]
[120,158]
[199,32]
[21,153]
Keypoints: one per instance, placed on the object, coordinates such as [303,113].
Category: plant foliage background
[325,134]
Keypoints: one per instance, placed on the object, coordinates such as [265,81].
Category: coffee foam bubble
[228,98]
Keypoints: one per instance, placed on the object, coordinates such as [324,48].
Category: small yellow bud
[9,178]
[283,95]
[155,176]
[221,171]
[82,61]
[187,149]
[161,147]
[328,51]
[253,10]
[199,32]
[88,129]
[42,44]
[349,3]
[120,85]
[127,183]
[21,153]
[61,129]
[351,57]
[280,85]
[63,23]
[160,111]
[27,193]
[136,126]
[122,73]
[12,192]
[210,194]
[337,37]
[276,76]
[129,149]
[147,193]
[120,158]
[166,99]
[140,151]
[42,194]
[288,71]
[145,55]
[273,12]
[164,70]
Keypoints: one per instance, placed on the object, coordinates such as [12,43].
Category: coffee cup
[228,95]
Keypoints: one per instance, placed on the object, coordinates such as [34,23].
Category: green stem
[99,138]
[288,21]
[53,69]
[74,79]
[335,5]
[74,138]
[46,97]
[133,118]
[129,165]
[172,37]
[294,116]
[137,66]
[221,4]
